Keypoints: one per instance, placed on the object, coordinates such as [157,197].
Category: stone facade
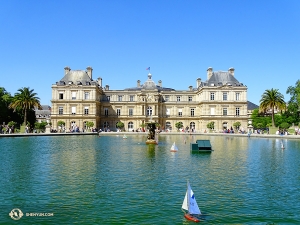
[221,99]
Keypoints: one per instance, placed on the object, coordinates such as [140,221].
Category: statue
[151,135]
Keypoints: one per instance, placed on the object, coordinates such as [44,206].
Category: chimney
[106,87]
[67,69]
[209,72]
[198,82]
[191,88]
[89,71]
[138,83]
[160,83]
[231,71]
[100,81]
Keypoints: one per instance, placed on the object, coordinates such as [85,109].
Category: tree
[120,125]
[178,125]
[5,99]
[25,100]
[272,99]
[293,108]
[89,124]
[211,125]
[237,125]
[60,123]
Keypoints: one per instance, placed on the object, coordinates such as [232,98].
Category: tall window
[106,111]
[224,96]
[149,111]
[131,98]
[86,110]
[192,112]
[106,124]
[73,110]
[212,96]
[108,98]
[120,98]
[168,126]
[179,112]
[178,98]
[192,125]
[73,95]
[237,96]
[118,112]
[167,98]
[224,111]
[61,95]
[60,110]
[190,98]
[237,111]
[86,95]
[168,112]
[130,112]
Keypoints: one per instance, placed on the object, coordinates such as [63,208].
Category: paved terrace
[290,136]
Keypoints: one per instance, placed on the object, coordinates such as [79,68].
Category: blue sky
[178,39]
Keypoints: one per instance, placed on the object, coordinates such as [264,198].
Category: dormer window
[78,83]
[70,82]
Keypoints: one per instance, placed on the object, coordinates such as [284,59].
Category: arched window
[224,125]
[192,125]
[149,111]
[73,124]
[105,126]
[168,126]
[130,126]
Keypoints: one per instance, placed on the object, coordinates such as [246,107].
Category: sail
[174,147]
[189,202]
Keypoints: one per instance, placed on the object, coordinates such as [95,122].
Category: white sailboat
[174,148]
[190,206]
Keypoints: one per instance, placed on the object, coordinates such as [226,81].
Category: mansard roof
[75,77]
[221,78]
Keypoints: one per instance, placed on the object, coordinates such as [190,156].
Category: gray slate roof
[221,78]
[251,106]
[76,77]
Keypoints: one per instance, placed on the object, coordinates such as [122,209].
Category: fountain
[151,135]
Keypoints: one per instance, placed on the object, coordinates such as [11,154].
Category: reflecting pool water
[111,180]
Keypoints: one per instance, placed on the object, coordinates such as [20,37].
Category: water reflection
[244,180]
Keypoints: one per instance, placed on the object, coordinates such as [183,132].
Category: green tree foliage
[237,125]
[178,125]
[25,100]
[211,125]
[40,126]
[272,99]
[284,125]
[89,124]
[293,109]
[5,99]
[61,123]
[260,118]
[120,125]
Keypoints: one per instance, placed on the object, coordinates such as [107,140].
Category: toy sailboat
[190,206]
[174,148]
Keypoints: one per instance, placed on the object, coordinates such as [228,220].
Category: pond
[110,180]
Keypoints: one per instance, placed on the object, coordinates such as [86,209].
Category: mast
[188,197]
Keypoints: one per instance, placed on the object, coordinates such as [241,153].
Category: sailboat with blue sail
[190,206]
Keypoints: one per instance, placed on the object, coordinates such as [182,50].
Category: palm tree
[272,99]
[25,100]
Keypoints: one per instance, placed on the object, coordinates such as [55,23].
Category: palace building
[77,99]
